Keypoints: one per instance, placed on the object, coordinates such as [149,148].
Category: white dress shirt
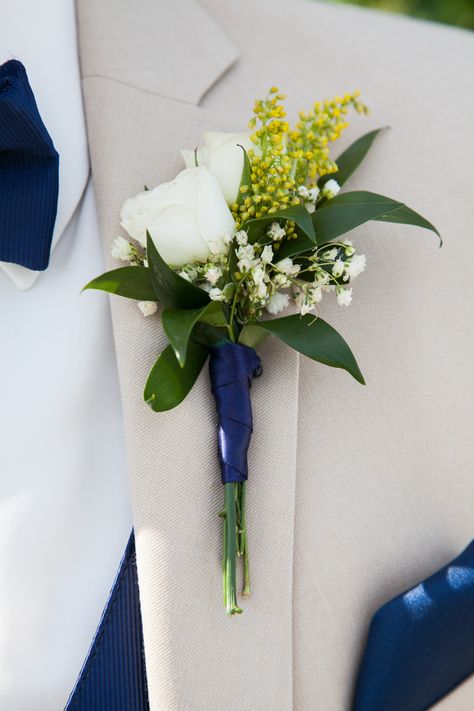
[64,504]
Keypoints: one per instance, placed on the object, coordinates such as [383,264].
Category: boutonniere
[252,227]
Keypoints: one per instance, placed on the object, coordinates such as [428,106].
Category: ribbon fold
[231,369]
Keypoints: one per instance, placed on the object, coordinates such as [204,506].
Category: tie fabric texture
[421,644]
[113,677]
[29,174]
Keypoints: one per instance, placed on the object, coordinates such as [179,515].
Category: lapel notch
[174,49]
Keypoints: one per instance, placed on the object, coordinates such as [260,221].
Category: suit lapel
[170,48]
[196,657]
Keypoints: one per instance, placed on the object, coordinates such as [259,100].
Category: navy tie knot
[231,369]
[29,174]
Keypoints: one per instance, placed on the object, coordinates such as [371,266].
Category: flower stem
[244,539]
[230,549]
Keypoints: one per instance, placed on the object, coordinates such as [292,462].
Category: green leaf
[246,176]
[168,383]
[347,211]
[296,213]
[131,282]
[209,335]
[351,158]
[178,325]
[315,339]
[252,335]
[404,215]
[173,291]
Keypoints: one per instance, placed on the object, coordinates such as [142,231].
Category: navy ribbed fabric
[29,173]
[231,369]
[113,677]
[421,644]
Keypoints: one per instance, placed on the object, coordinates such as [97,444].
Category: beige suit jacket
[355,493]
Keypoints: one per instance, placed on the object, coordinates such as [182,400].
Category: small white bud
[276,232]
[331,189]
[267,254]
[213,274]
[338,268]
[148,308]
[344,296]
[216,295]
[121,249]
[242,238]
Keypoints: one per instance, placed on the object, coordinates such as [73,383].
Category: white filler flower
[122,249]
[148,308]
[185,217]
[278,303]
[331,188]
[222,155]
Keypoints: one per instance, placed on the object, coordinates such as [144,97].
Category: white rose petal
[223,156]
[184,217]
[148,308]
[278,303]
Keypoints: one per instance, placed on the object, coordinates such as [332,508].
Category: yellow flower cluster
[271,180]
[308,143]
[284,158]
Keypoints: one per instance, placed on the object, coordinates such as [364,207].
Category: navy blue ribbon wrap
[231,369]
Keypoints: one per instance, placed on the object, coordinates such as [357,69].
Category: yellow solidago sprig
[272,186]
[309,142]
[285,160]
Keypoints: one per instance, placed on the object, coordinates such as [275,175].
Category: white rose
[185,218]
[222,155]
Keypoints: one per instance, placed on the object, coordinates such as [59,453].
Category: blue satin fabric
[421,644]
[231,369]
[113,677]
[29,173]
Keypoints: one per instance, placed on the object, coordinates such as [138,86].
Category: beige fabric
[383,474]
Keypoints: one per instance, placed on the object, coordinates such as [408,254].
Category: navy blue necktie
[421,644]
[29,174]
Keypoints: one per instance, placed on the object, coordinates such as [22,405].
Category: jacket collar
[190,52]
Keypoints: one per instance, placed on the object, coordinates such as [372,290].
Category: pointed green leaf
[131,282]
[296,213]
[316,339]
[178,325]
[168,383]
[209,335]
[347,211]
[246,177]
[404,215]
[351,158]
[252,335]
[174,292]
